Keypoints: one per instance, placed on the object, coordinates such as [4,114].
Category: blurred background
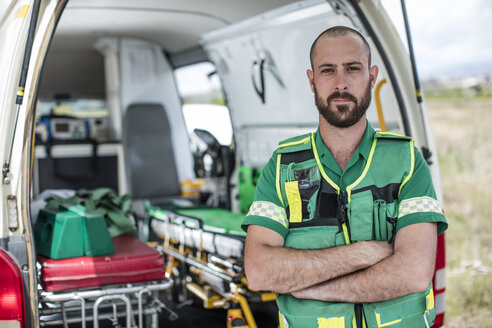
[453,49]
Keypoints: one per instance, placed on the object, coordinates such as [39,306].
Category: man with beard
[344,221]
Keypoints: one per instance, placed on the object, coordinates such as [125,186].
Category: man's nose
[340,81]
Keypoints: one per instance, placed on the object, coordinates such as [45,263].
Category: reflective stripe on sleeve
[418,205]
[269,211]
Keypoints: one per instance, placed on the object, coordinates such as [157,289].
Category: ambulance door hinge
[5,174]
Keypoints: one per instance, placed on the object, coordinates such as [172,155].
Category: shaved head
[339,31]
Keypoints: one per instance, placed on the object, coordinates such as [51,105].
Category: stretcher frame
[234,294]
[131,295]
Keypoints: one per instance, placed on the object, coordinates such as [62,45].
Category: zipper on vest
[342,216]
[393,231]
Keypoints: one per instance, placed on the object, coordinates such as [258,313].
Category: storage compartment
[77,165]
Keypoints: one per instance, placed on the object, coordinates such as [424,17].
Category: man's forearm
[308,267]
[284,270]
[407,271]
[380,282]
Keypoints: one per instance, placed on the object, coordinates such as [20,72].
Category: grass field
[462,128]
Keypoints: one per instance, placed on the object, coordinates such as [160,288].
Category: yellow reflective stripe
[368,164]
[20,91]
[281,322]
[379,107]
[294,199]
[333,322]
[394,134]
[378,319]
[418,205]
[294,143]
[277,181]
[346,234]
[323,173]
[412,165]
[429,300]
[22,12]
[270,211]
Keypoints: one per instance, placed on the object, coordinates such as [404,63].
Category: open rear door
[262,63]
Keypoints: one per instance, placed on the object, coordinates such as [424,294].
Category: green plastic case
[97,240]
[71,232]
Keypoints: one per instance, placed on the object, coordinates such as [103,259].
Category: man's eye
[327,70]
[353,68]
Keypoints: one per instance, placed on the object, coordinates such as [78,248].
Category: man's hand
[270,266]
[408,270]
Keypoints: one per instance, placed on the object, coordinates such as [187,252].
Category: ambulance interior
[118,108]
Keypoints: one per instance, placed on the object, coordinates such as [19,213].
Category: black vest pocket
[308,179]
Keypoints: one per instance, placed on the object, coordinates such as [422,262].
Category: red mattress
[133,261]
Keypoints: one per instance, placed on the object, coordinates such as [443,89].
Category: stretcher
[215,231]
[86,288]
[204,249]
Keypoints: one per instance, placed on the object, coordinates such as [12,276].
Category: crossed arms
[361,272]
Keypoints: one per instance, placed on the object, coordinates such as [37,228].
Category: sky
[450,38]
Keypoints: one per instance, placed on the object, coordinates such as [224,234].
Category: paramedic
[327,204]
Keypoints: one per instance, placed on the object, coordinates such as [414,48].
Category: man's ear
[373,74]
[310,75]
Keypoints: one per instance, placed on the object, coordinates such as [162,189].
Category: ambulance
[132,134]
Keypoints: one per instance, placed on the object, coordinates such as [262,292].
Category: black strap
[359,311]
[296,157]
[393,231]
[261,90]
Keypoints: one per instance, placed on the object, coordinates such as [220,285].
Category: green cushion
[217,220]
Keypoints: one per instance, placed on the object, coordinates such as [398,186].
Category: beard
[340,115]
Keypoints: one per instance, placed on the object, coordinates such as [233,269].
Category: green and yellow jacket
[304,196]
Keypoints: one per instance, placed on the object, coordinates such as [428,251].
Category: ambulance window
[203,101]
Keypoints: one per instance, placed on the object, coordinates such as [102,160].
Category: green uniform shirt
[419,185]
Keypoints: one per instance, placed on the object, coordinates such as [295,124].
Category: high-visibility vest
[321,215]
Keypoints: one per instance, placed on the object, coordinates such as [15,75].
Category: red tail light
[12,306]
[439,282]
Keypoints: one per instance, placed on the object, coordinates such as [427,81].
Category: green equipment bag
[83,224]
[71,231]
